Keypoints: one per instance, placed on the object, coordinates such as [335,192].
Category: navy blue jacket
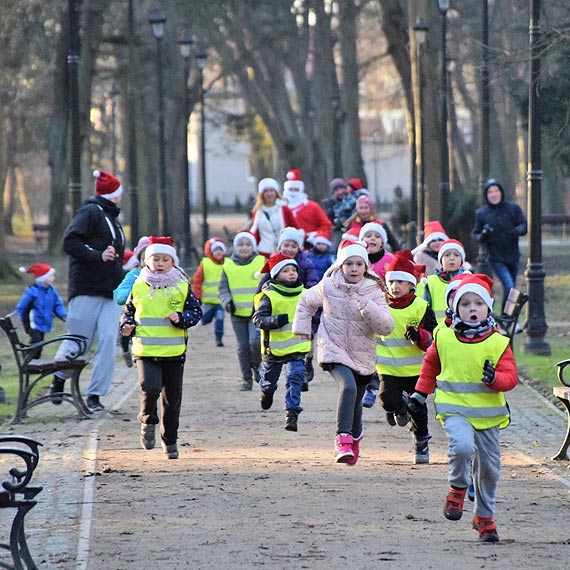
[498,227]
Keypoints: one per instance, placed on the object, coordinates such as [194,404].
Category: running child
[354,311]
[206,286]
[470,366]
[400,354]
[280,347]
[238,284]
[160,309]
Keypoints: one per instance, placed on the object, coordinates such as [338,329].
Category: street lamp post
[484,152]
[420,33]
[536,326]
[113,95]
[185,45]
[201,61]
[157,21]
[443,148]
[75,139]
[131,129]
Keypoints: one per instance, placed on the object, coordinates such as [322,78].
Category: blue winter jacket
[37,307]
[122,292]
[498,227]
[321,261]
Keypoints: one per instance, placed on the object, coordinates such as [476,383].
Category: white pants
[88,316]
[466,444]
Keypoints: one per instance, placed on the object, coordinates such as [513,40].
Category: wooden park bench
[509,318]
[19,457]
[32,371]
[563,395]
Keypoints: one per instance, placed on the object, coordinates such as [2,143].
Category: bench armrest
[560,372]
[79,340]
[20,479]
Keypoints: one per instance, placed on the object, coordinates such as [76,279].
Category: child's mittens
[416,402]
[231,308]
[412,334]
[282,320]
[488,373]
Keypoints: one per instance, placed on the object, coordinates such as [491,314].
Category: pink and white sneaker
[356,449]
[343,448]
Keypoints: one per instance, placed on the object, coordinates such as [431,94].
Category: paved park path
[245,493]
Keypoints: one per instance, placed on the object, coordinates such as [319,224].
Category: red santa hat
[373,227]
[434,231]
[276,263]
[294,180]
[477,283]
[161,245]
[451,244]
[267,184]
[452,287]
[127,256]
[291,234]
[356,184]
[320,238]
[247,235]
[403,268]
[41,271]
[107,185]
[349,248]
[351,235]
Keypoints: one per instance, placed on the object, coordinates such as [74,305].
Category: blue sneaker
[369,398]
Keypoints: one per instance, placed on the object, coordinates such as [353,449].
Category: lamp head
[201,57]
[157,19]
[443,6]
[420,32]
[185,45]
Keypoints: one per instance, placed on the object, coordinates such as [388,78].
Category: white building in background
[228,174]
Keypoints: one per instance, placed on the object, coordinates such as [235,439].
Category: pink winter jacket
[352,315]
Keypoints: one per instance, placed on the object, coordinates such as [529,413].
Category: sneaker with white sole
[421,452]
[343,448]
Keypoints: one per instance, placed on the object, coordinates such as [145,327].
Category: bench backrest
[10,325]
[514,301]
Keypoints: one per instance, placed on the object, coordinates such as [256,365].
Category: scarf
[161,281]
[472,330]
[400,302]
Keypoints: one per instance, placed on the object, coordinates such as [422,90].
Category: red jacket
[310,217]
[198,277]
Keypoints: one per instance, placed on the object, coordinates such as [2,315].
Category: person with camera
[498,226]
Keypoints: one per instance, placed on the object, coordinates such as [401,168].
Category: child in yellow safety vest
[157,313]
[399,355]
[238,284]
[275,309]
[470,365]
[206,286]
[451,256]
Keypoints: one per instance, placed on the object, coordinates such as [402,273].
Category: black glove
[282,320]
[231,308]
[487,230]
[488,373]
[412,333]
[416,402]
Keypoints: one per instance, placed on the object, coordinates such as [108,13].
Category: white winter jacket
[352,315]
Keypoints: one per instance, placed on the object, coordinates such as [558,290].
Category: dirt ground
[245,493]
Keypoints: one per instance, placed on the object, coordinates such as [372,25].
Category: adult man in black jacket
[95,242]
[498,226]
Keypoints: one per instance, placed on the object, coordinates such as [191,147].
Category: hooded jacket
[94,227]
[499,226]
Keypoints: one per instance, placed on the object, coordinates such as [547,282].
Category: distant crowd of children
[396,326]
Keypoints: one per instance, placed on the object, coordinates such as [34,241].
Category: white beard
[295,199]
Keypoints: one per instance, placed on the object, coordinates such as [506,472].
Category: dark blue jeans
[214,313]
[294,377]
[507,275]
[248,345]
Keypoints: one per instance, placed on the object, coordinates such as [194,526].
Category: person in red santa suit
[309,215]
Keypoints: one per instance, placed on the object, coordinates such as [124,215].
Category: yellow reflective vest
[459,389]
[437,288]
[242,282]
[395,354]
[156,336]
[282,341]
[211,283]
